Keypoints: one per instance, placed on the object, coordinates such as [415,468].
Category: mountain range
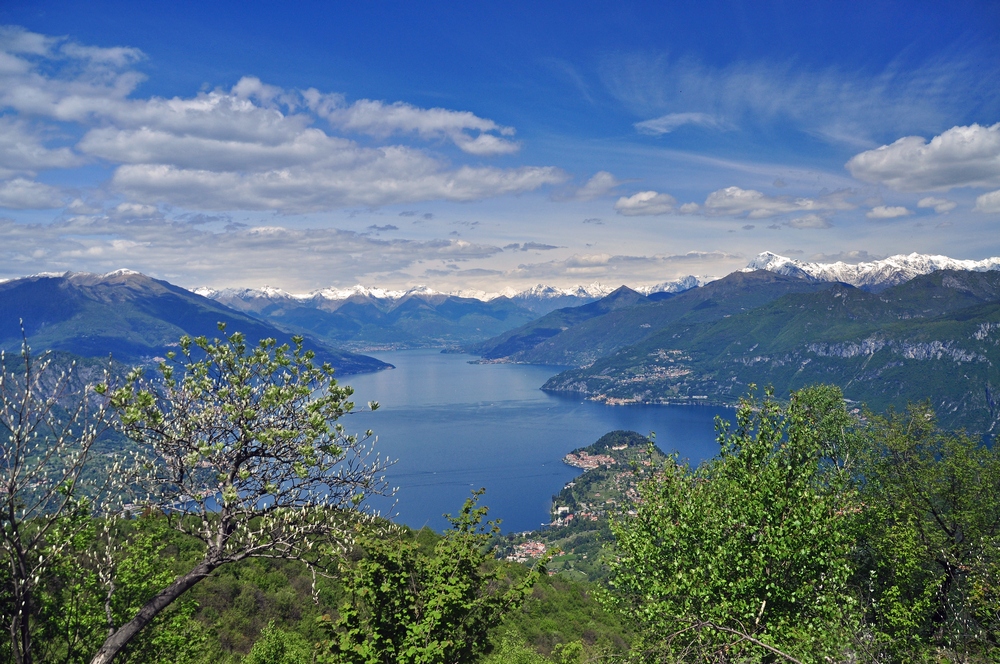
[889,331]
[934,337]
[368,319]
[872,275]
[581,335]
[132,318]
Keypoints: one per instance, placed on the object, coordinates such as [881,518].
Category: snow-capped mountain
[873,275]
[675,286]
[538,292]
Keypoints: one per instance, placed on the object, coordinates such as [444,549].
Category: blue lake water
[453,427]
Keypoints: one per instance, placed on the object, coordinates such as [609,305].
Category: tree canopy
[239,447]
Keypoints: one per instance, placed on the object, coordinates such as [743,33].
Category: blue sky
[482,145]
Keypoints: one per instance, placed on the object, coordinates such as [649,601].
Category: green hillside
[580,335]
[936,337]
[582,344]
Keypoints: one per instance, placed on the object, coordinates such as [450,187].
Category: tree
[406,606]
[276,646]
[747,557]
[240,449]
[931,549]
[49,425]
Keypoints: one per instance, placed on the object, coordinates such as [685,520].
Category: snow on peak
[358,290]
[542,291]
[538,292]
[873,275]
[121,272]
[264,292]
[675,286]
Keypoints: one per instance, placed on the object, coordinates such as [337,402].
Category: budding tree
[48,427]
[240,448]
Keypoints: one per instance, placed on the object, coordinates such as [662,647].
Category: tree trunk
[117,641]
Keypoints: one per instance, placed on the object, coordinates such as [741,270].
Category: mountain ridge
[131,316]
[872,275]
[936,337]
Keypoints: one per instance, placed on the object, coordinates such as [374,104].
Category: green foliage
[240,449]
[931,551]
[405,607]
[48,427]
[276,646]
[561,610]
[752,549]
[513,650]
[101,580]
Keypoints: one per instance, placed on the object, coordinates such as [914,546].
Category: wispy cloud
[600,184]
[851,107]
[671,121]
[809,221]
[888,212]
[754,204]
[382,120]
[626,268]
[645,203]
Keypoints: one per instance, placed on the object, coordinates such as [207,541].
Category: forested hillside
[936,337]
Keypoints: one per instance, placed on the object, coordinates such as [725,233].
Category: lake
[453,427]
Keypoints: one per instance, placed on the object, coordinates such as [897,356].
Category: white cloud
[601,184]
[134,211]
[645,203]
[668,123]
[193,255]
[989,202]
[960,157]
[252,147]
[219,153]
[382,181]
[757,205]
[21,194]
[809,221]
[22,150]
[382,120]
[887,212]
[940,205]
